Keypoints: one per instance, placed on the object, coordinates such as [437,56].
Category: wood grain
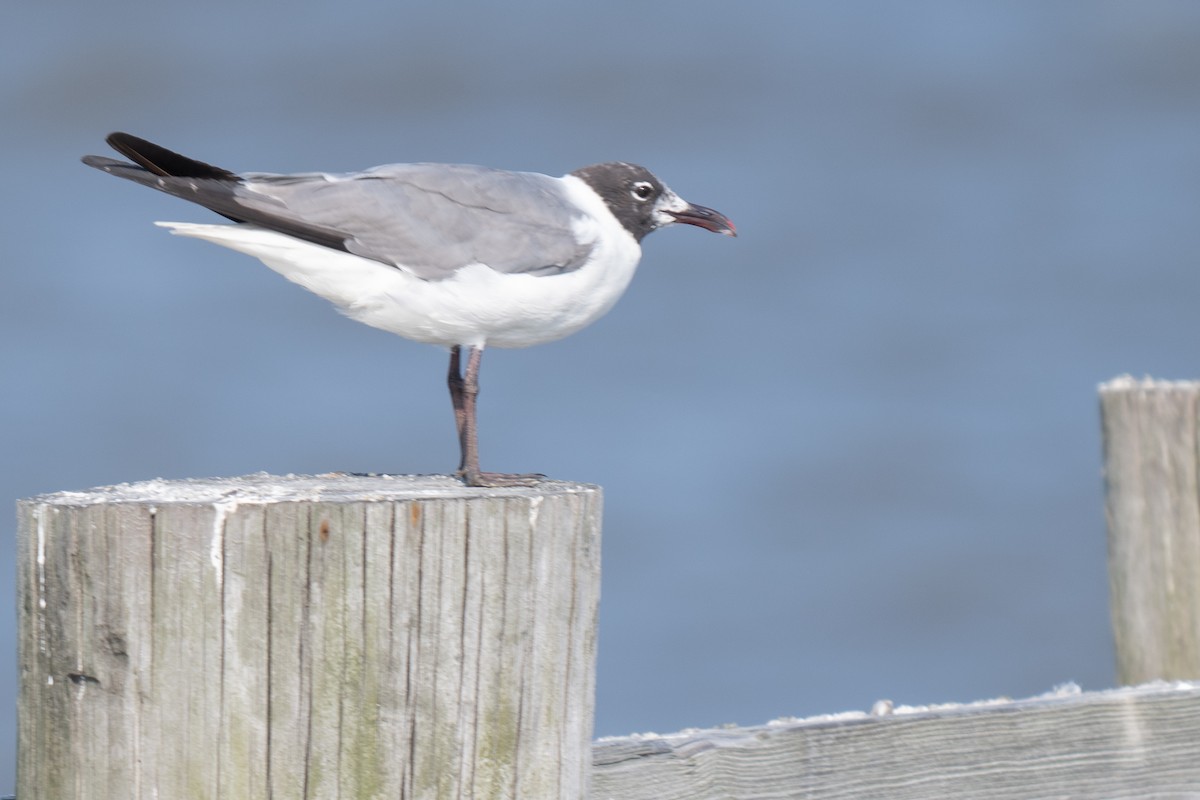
[1152,478]
[308,637]
[1135,744]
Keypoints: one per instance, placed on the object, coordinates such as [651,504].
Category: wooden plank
[1152,477]
[1141,742]
[243,724]
[183,705]
[88,685]
[303,637]
[290,680]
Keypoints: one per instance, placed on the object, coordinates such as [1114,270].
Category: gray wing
[430,219]
[433,218]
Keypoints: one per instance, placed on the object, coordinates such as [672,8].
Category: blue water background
[853,454]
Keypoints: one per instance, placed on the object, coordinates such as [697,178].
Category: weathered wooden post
[1152,474]
[308,637]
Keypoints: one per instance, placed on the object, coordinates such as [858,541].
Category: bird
[456,255]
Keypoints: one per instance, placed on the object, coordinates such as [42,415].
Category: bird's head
[642,203]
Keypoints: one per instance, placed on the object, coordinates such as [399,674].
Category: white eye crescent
[642,190]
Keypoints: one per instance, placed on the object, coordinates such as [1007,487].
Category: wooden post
[308,637]
[1152,474]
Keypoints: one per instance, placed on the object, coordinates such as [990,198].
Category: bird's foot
[498,479]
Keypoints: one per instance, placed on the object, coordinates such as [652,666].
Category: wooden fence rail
[1141,743]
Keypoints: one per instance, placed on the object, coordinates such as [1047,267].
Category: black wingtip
[161,161]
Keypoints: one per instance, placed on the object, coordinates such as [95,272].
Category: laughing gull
[450,254]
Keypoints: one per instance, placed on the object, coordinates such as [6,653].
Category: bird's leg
[469,433]
[455,381]
[463,393]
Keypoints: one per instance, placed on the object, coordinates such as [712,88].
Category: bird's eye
[642,190]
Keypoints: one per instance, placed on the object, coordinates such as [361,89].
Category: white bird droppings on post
[40,513]
[216,548]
